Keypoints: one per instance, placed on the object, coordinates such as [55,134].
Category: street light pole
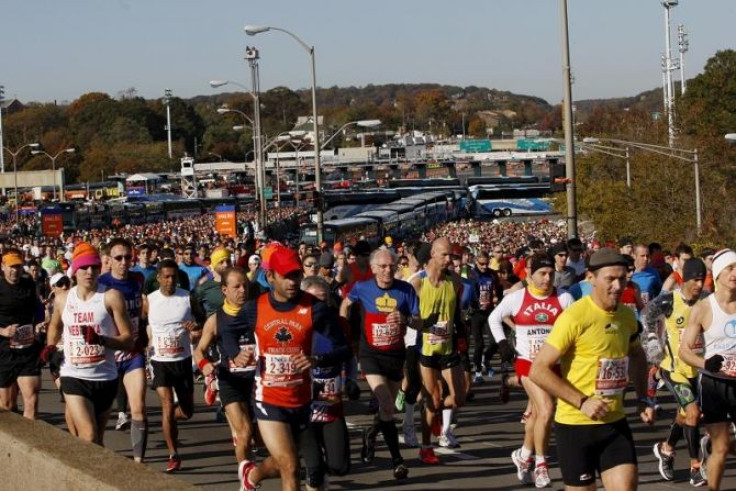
[2,154]
[252,31]
[53,161]
[252,56]
[572,209]
[684,45]
[15,173]
[167,98]
[668,5]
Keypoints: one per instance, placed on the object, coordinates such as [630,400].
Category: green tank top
[442,300]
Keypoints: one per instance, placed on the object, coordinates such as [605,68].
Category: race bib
[169,345]
[24,337]
[484,299]
[439,333]
[535,345]
[612,377]
[249,348]
[83,355]
[280,371]
[385,334]
[331,391]
[729,365]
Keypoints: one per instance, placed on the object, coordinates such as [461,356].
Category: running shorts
[174,374]
[685,390]
[440,362]
[16,363]
[391,367]
[717,399]
[101,392]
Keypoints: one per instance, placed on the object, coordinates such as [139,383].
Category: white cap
[55,278]
[722,260]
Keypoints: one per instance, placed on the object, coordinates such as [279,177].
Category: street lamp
[366,123]
[167,101]
[15,172]
[252,31]
[53,161]
[572,207]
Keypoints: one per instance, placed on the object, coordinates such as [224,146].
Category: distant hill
[649,101]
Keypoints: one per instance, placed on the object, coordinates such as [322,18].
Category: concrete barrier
[36,455]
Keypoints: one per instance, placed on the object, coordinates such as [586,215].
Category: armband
[202,363]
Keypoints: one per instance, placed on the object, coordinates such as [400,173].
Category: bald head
[441,253]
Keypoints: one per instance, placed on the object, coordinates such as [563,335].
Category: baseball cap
[55,279]
[606,257]
[284,261]
[12,258]
[694,269]
[326,260]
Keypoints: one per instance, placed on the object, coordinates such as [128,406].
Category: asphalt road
[488,432]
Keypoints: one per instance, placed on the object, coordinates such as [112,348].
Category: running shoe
[666,462]
[541,476]
[400,402]
[697,479]
[504,393]
[448,440]
[174,463]
[523,467]
[123,422]
[410,436]
[427,456]
[400,470]
[210,389]
[368,452]
[478,379]
[244,471]
[705,452]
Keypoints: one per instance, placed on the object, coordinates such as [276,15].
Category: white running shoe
[448,440]
[123,422]
[705,453]
[541,476]
[410,436]
[523,467]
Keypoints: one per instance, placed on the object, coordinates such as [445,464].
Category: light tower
[684,44]
[167,101]
[669,4]
[252,56]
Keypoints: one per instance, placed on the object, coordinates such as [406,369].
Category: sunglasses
[310,265]
[120,258]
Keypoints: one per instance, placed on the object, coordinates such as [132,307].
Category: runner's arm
[116,305]
[53,334]
[694,328]
[496,319]
[209,333]
[543,375]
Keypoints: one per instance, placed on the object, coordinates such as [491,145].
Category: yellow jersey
[595,346]
[675,326]
[437,339]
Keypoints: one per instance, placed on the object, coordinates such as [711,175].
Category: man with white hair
[715,320]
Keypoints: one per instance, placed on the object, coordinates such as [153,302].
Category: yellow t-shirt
[442,300]
[595,347]
[675,326]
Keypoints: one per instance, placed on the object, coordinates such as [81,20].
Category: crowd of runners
[281,333]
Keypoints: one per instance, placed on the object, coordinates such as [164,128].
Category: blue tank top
[131,288]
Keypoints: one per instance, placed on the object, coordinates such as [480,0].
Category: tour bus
[494,202]
[389,222]
[345,230]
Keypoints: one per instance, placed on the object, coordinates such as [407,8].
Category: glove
[90,335]
[505,350]
[352,390]
[714,363]
[46,353]
[141,342]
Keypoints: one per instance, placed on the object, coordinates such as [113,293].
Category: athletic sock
[540,460]
[446,419]
[692,436]
[391,437]
[409,414]
[139,438]
[675,435]
[525,453]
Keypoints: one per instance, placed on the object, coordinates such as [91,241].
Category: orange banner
[52,223]
[225,221]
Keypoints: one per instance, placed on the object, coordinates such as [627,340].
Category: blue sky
[59,49]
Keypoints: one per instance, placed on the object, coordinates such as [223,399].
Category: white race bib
[438,333]
[280,371]
[729,365]
[612,377]
[332,389]
[83,355]
[169,345]
[24,337]
[249,348]
[385,334]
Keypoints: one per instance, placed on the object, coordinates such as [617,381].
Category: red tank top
[280,336]
[628,297]
[534,322]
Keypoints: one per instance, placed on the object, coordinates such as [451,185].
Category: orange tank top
[280,336]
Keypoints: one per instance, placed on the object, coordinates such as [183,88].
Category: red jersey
[280,336]
[534,322]
[357,275]
[628,297]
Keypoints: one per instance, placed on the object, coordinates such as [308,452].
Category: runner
[235,383]
[283,322]
[646,277]
[439,306]
[595,340]
[94,322]
[196,273]
[20,311]
[131,364]
[531,312]
[387,307]
[487,292]
[173,314]
[681,379]
[683,252]
[715,320]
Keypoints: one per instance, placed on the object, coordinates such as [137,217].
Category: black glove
[714,363]
[506,351]
[90,336]
[352,390]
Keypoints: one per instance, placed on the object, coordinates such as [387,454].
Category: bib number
[484,299]
[439,333]
[281,371]
[612,377]
[248,348]
[729,365]
[169,345]
[24,337]
[83,355]
[535,345]
[331,389]
[385,334]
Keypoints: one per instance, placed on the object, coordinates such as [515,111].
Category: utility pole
[167,99]
[668,5]
[684,47]
[252,56]
[572,209]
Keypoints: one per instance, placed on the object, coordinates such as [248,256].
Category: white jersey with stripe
[720,339]
[166,316]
